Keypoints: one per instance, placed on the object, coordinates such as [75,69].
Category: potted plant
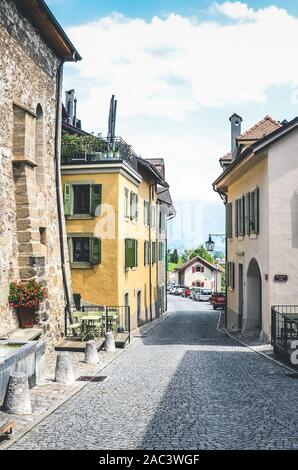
[26,298]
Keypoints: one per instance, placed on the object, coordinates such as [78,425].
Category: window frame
[94,250]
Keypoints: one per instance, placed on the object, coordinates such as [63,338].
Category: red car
[186,292]
[219,300]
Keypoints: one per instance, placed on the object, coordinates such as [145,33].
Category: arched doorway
[254,297]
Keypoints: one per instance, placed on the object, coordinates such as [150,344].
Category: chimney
[70,106]
[235,132]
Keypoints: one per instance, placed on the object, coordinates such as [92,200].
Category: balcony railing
[103,152]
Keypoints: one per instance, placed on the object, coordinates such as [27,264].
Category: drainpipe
[150,251]
[57,159]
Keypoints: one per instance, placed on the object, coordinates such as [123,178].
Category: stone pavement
[183,385]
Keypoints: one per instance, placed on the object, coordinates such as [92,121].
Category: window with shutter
[96,199]
[67,200]
[193,269]
[229,209]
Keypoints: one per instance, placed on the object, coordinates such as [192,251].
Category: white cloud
[235,10]
[169,68]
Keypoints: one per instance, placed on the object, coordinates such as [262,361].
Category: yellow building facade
[113,234]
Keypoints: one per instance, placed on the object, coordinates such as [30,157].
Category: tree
[175,257]
[203,253]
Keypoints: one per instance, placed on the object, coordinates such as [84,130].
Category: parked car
[173,290]
[219,300]
[205,295]
[186,292]
[196,293]
[179,290]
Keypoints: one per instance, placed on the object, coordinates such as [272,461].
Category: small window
[43,235]
[85,250]
[81,250]
[81,199]
[134,207]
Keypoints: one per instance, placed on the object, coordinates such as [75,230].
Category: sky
[179,69]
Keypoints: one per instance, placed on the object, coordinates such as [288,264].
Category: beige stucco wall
[242,250]
[283,219]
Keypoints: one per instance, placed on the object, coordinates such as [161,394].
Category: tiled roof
[261,129]
[197,259]
[258,131]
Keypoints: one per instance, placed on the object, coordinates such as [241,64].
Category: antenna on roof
[112,123]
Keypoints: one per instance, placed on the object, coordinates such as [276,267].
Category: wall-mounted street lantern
[210,244]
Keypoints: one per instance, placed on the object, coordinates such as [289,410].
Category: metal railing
[104,152]
[284,328]
[110,318]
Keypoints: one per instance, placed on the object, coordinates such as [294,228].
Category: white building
[259,186]
[199,272]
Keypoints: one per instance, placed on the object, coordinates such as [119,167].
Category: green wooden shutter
[229,220]
[233,275]
[96,199]
[136,250]
[257,211]
[236,218]
[145,253]
[247,213]
[95,251]
[130,253]
[243,216]
[67,200]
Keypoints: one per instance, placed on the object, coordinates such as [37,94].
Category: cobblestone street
[183,385]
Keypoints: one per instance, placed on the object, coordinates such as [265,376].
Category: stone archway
[253,319]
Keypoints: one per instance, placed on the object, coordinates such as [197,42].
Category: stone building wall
[29,230]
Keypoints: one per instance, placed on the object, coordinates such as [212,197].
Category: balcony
[84,150]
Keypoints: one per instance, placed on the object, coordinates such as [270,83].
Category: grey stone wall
[28,202]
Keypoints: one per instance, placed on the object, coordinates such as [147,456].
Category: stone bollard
[91,355]
[64,370]
[17,398]
[109,342]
